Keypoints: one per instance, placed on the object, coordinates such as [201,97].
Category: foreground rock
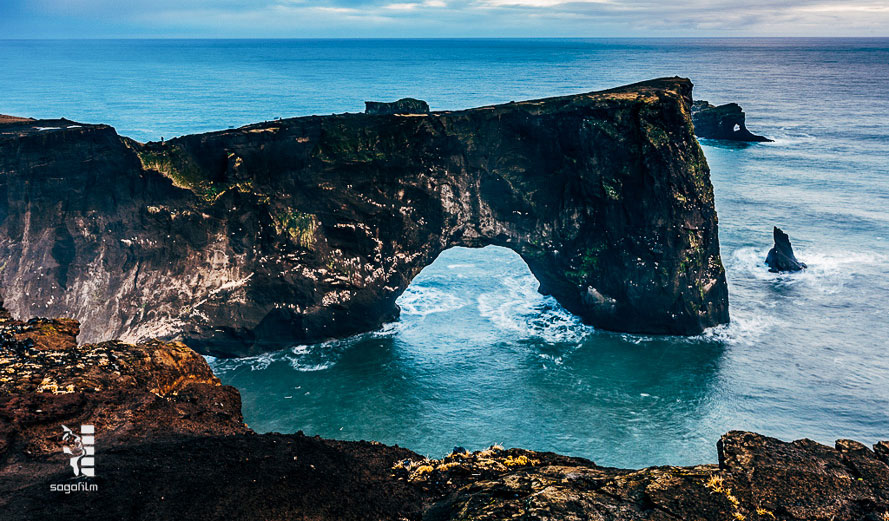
[780,257]
[170,445]
[132,391]
[305,229]
[723,122]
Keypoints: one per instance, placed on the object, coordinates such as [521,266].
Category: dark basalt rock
[170,444]
[402,106]
[780,257]
[722,122]
[299,230]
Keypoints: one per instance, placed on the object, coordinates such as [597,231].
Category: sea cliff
[299,230]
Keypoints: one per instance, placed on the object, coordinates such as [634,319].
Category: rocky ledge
[170,444]
[299,230]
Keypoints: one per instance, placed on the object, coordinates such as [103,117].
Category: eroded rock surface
[170,444]
[722,122]
[305,229]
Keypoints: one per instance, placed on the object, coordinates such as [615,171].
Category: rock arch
[324,221]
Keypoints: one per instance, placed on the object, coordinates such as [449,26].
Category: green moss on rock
[298,225]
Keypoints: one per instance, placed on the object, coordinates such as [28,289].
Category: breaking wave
[827,272]
[520,309]
[424,300]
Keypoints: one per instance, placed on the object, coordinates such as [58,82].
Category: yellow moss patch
[520,461]
[717,486]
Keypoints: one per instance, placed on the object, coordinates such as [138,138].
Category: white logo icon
[82,449]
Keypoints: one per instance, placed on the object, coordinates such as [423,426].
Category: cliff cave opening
[485,289]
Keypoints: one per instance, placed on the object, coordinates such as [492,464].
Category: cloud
[419,18]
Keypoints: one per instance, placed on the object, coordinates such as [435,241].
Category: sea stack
[781,257]
[726,122]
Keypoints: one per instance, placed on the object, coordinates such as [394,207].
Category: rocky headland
[171,444]
[300,230]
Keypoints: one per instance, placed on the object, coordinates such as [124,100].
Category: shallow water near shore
[478,356]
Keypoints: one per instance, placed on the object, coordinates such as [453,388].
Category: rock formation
[780,257]
[722,122]
[299,230]
[170,444]
[402,106]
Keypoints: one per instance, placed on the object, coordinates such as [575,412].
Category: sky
[438,18]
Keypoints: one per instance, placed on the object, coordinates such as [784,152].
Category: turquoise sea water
[478,356]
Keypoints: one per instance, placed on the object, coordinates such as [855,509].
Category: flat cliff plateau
[300,230]
[170,444]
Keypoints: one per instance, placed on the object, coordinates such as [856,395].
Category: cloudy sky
[440,18]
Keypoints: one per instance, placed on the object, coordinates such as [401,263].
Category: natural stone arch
[325,220]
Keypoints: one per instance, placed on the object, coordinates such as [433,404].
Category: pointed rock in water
[781,257]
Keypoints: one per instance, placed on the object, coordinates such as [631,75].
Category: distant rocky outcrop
[722,122]
[781,257]
[305,229]
[170,444]
[12,119]
[402,106]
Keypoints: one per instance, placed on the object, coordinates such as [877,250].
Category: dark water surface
[478,356]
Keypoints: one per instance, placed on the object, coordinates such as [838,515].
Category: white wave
[789,136]
[254,363]
[303,358]
[521,309]
[828,273]
[746,328]
[419,300]
[307,359]
[461,265]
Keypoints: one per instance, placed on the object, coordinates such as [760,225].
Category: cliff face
[304,229]
[170,444]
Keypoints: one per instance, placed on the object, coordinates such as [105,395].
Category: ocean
[478,356]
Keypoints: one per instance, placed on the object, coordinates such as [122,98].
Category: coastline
[171,443]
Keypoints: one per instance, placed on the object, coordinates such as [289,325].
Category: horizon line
[419,38]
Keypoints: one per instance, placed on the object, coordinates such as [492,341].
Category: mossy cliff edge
[304,229]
